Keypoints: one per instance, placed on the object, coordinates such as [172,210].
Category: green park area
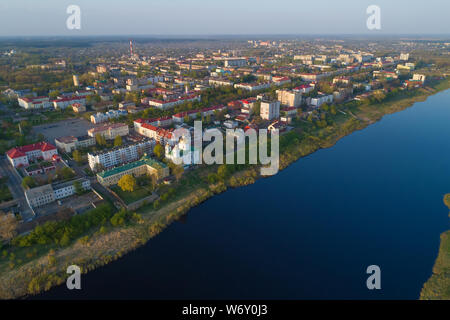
[132,196]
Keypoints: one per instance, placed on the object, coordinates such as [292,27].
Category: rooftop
[144,161]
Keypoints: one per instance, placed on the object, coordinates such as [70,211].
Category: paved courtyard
[71,127]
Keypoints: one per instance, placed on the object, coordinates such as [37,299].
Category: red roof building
[21,156]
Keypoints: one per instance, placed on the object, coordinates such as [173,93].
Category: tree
[8,226]
[28,182]
[77,156]
[158,150]
[127,183]
[65,173]
[222,171]
[100,139]
[177,171]
[78,187]
[447,200]
[118,141]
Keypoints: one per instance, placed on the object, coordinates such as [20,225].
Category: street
[15,185]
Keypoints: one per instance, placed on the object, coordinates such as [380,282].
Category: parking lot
[72,127]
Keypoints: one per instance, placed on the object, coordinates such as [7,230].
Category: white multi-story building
[270,110]
[252,86]
[121,155]
[65,102]
[290,98]
[167,104]
[110,131]
[40,196]
[34,103]
[111,114]
[235,62]
[304,89]
[321,99]
[70,143]
[220,83]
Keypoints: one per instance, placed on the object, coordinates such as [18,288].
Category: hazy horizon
[216,18]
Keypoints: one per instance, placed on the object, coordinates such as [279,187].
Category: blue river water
[310,232]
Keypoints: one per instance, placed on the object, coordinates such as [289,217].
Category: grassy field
[130,197]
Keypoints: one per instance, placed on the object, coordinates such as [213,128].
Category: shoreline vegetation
[101,245]
[438,285]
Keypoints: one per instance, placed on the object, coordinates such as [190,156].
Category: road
[15,185]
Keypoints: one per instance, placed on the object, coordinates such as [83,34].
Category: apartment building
[42,195]
[65,102]
[110,131]
[70,143]
[121,155]
[290,98]
[160,135]
[270,110]
[104,117]
[34,103]
[252,86]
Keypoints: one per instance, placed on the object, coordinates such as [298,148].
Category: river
[310,232]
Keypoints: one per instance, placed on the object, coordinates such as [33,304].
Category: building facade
[270,110]
[146,165]
[121,155]
[22,156]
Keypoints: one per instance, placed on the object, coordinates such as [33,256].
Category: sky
[222,17]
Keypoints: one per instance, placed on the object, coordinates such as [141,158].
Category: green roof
[144,161]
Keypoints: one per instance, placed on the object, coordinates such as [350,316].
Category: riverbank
[101,248]
[438,286]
